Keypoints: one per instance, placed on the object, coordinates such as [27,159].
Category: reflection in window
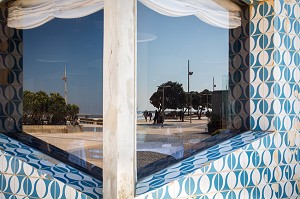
[182,88]
[63,90]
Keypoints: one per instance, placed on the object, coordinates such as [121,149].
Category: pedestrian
[162,117]
[145,114]
[181,113]
[155,119]
[150,115]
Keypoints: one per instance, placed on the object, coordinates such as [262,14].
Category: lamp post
[207,100]
[214,86]
[189,73]
[189,94]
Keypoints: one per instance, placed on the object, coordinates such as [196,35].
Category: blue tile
[7,180]
[1,182]
[21,182]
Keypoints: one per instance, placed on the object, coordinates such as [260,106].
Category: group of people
[159,116]
[147,114]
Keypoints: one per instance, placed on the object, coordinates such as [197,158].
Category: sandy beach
[153,141]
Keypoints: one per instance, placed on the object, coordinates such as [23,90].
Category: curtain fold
[25,14]
[224,14]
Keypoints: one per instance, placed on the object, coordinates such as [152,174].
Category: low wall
[52,128]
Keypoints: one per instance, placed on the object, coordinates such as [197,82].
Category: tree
[57,108]
[199,101]
[72,110]
[174,96]
[196,101]
[205,100]
[28,99]
[39,107]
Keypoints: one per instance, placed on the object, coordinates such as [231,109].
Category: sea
[139,115]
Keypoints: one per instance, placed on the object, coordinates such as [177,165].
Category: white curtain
[219,13]
[25,14]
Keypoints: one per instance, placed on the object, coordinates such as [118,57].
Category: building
[264,99]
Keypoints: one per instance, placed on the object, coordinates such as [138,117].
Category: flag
[190,73]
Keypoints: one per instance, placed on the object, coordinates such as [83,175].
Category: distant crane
[64,78]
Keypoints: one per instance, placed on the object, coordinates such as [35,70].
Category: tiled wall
[24,172]
[27,173]
[268,167]
[265,168]
[274,63]
[239,108]
[11,76]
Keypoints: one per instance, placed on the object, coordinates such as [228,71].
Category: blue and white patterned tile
[206,184]
[179,188]
[7,163]
[8,183]
[46,170]
[152,195]
[233,180]
[20,185]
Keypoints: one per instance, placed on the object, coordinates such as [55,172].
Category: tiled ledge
[187,166]
[65,175]
[28,162]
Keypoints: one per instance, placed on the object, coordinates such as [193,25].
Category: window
[182,88]
[63,90]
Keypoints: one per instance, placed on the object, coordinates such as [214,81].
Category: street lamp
[189,73]
[189,94]
[207,100]
[214,86]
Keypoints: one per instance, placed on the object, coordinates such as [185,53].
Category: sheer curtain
[26,14]
[219,13]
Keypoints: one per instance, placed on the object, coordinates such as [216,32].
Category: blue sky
[175,41]
[76,43]
[165,44]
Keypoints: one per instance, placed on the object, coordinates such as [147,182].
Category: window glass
[182,88]
[62,111]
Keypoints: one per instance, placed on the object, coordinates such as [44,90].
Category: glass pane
[182,88]
[63,90]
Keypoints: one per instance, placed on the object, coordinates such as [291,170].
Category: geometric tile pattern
[209,143]
[264,79]
[264,82]
[11,76]
[190,165]
[239,106]
[266,168]
[25,172]
[274,65]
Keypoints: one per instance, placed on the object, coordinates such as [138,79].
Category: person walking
[155,119]
[162,117]
[150,115]
[145,114]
